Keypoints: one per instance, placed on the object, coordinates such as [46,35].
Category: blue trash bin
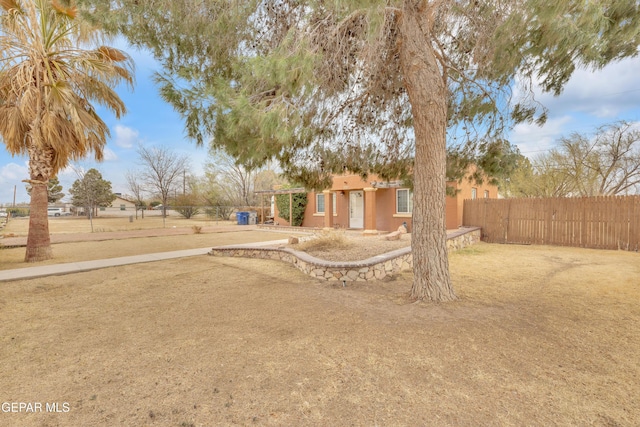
[242,218]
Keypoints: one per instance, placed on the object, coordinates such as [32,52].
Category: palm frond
[49,82]
[71,12]
[10,5]
[112,54]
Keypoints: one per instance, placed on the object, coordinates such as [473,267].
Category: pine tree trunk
[38,241]
[428,97]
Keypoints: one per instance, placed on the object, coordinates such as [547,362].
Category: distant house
[123,204]
[375,205]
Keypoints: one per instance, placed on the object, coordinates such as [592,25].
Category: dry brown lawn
[71,224]
[540,336]
[331,246]
[11,258]
[105,228]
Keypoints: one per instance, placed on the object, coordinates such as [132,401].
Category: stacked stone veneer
[288,228]
[374,268]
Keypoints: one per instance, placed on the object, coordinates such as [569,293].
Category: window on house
[404,201]
[320,203]
[335,212]
[474,193]
[486,194]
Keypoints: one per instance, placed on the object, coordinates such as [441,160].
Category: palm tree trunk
[38,241]
[427,94]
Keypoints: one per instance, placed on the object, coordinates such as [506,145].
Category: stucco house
[376,206]
[123,203]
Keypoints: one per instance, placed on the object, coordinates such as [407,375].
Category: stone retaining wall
[463,237]
[376,267]
[288,228]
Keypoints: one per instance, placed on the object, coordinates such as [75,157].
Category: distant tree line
[603,163]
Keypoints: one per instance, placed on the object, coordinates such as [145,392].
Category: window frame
[318,196]
[409,202]
[335,202]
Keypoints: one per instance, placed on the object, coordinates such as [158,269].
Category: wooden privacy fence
[611,222]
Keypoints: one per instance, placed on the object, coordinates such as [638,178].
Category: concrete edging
[374,268]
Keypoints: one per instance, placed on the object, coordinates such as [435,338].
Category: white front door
[356,209]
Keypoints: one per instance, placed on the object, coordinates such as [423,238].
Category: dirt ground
[540,336]
[11,258]
[120,238]
[70,224]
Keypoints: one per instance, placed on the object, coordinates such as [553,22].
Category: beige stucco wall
[454,205]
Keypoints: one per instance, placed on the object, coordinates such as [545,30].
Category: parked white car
[55,211]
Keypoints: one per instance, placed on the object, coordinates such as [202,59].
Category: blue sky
[589,100]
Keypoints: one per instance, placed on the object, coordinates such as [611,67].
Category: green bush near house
[299,203]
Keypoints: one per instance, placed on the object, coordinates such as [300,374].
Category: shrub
[18,212]
[187,211]
[186,205]
[326,240]
[219,212]
[299,203]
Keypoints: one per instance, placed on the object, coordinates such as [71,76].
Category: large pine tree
[370,85]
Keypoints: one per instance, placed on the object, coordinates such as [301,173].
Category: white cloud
[602,94]
[125,137]
[76,169]
[590,99]
[11,176]
[68,171]
[13,172]
[532,139]
[109,155]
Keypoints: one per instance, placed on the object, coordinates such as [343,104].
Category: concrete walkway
[77,267]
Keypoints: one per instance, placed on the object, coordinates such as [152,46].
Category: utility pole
[184,182]
[14,196]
